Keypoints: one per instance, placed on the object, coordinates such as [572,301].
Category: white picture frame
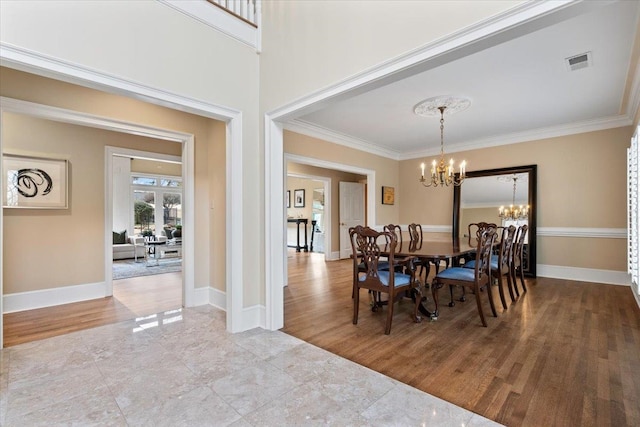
[34,182]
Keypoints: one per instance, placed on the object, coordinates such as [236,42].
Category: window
[157,203]
[144,203]
[143,180]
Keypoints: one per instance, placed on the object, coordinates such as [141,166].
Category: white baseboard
[50,297]
[254,317]
[334,256]
[218,298]
[200,296]
[611,277]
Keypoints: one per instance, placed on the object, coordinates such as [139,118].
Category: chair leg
[490,296]
[484,322]
[511,283]
[356,304]
[524,287]
[451,303]
[387,329]
[434,293]
[501,291]
[417,293]
[514,279]
[427,269]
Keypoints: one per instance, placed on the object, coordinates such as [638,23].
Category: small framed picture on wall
[288,197]
[388,195]
[298,198]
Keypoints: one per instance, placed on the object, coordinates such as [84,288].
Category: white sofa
[134,249]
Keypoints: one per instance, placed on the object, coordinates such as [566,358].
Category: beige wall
[50,248]
[386,170]
[209,170]
[581,183]
[336,177]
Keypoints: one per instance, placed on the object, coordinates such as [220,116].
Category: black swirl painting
[34,182]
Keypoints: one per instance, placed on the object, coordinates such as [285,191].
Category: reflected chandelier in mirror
[485,191]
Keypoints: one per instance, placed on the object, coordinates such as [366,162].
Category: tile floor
[181,368]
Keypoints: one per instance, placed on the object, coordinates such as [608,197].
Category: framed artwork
[288,198]
[298,198]
[388,195]
[34,182]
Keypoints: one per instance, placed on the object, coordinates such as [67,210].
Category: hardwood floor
[135,297]
[565,354]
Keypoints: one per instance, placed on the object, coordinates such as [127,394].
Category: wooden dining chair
[367,247]
[415,242]
[416,236]
[517,267]
[476,279]
[397,231]
[475,228]
[502,262]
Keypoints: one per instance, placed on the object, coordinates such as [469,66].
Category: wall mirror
[483,192]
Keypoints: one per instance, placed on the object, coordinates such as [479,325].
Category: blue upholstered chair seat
[382,265]
[494,263]
[400,279]
[457,273]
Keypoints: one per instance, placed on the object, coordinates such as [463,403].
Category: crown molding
[33,62]
[320,132]
[315,131]
[529,135]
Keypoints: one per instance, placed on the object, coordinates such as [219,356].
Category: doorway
[147,216]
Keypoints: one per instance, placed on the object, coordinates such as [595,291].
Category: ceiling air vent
[578,62]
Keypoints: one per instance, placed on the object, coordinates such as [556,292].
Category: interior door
[351,213]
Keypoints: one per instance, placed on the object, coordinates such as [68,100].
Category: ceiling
[520,89]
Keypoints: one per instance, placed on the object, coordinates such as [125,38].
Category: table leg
[313,233]
[306,247]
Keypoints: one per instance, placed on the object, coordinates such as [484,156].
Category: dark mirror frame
[532,170]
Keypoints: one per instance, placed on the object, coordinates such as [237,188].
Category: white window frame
[159,191]
[633,218]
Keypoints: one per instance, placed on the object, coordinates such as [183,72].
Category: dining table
[451,249]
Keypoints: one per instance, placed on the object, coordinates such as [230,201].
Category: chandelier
[442,173]
[513,213]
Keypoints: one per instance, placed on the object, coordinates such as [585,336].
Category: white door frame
[369,173]
[326,183]
[517,21]
[187,141]
[35,63]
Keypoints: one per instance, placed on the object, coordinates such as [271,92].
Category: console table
[299,221]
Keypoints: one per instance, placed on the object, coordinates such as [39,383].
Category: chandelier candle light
[442,174]
[513,213]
